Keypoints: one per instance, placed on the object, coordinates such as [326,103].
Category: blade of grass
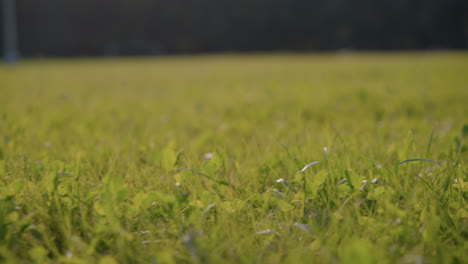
[428,160]
[221,182]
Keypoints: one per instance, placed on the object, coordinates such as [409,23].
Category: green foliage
[168,159]
[214,164]
[208,159]
[359,251]
[464,131]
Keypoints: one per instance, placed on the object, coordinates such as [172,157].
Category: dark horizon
[156,27]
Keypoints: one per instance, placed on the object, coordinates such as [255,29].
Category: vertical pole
[10,52]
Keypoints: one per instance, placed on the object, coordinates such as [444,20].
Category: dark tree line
[97,27]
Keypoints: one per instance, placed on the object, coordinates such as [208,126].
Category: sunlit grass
[212,159]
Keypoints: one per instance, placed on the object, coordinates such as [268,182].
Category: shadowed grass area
[203,159]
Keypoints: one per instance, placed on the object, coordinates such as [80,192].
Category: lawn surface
[200,159]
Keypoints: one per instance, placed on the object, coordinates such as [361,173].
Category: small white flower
[375,180]
[280,180]
[177,184]
[365,181]
[325,152]
[208,156]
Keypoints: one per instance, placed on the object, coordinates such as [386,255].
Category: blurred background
[155,27]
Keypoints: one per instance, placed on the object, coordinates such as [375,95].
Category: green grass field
[199,158]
